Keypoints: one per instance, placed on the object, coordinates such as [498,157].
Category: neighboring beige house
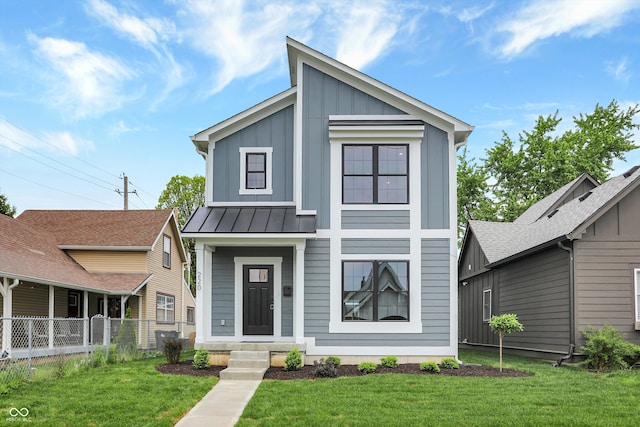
[83,263]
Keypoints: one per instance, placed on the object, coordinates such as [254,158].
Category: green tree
[503,325]
[5,206]
[186,194]
[542,160]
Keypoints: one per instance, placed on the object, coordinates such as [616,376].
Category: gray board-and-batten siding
[223,293]
[274,131]
[324,96]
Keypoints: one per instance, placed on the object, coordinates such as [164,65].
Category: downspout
[572,327]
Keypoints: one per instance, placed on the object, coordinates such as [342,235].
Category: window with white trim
[256,170]
[166,251]
[486,305]
[191,315]
[375,291]
[165,308]
[375,174]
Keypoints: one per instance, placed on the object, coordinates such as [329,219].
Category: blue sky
[92,89]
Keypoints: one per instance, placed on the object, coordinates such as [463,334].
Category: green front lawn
[562,396]
[125,394]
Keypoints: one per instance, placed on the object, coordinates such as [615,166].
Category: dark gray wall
[470,325]
[473,260]
[606,257]
[274,131]
[223,293]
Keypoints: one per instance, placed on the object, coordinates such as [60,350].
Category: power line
[52,188]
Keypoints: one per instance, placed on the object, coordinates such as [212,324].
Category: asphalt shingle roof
[501,241]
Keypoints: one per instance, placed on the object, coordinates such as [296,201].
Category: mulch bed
[185,368]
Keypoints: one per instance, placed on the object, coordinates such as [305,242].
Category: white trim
[240,262]
[208,184]
[453,243]
[297,140]
[268,151]
[313,350]
[636,273]
[298,292]
[484,292]
[237,239]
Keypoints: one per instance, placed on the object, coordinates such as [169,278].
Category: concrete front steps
[246,365]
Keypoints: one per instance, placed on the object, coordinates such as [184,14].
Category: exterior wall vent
[584,196]
[631,171]
[552,213]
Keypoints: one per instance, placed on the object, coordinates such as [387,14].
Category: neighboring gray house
[571,261]
[330,220]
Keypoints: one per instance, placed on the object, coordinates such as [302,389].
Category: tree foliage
[503,325]
[186,194]
[516,174]
[5,206]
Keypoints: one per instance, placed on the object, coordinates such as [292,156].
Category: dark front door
[75,303]
[258,300]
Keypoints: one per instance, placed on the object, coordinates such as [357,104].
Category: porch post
[52,292]
[105,310]
[298,293]
[203,292]
[85,316]
[6,290]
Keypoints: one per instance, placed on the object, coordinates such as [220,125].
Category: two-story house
[330,220]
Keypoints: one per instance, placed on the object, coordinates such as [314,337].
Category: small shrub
[172,350]
[430,367]
[201,359]
[389,362]
[324,368]
[367,367]
[449,363]
[98,358]
[293,361]
[606,350]
[333,359]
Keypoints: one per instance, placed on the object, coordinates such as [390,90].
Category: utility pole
[126,191]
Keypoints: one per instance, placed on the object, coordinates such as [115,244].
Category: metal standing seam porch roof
[252,220]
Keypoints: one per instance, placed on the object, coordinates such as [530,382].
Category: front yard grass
[123,394]
[563,396]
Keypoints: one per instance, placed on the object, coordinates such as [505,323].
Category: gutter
[572,326]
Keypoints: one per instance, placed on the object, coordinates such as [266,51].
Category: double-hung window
[375,174]
[165,308]
[255,170]
[637,295]
[375,290]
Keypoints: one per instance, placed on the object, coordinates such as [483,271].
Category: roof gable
[504,241]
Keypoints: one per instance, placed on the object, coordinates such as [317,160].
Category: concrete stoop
[246,365]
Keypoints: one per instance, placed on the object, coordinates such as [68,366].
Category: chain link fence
[35,347]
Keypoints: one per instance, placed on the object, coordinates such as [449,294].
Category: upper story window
[166,252]
[255,170]
[375,174]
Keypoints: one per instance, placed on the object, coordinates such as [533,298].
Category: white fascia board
[375,88]
[249,204]
[247,117]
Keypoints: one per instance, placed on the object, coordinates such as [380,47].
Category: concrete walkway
[222,406]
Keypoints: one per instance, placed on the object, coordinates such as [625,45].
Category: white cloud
[365,32]
[544,19]
[91,83]
[18,139]
[244,41]
[620,70]
[149,32]
[470,14]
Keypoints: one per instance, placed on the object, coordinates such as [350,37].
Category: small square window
[255,170]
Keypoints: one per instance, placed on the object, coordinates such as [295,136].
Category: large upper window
[375,174]
[255,170]
[375,290]
[165,308]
